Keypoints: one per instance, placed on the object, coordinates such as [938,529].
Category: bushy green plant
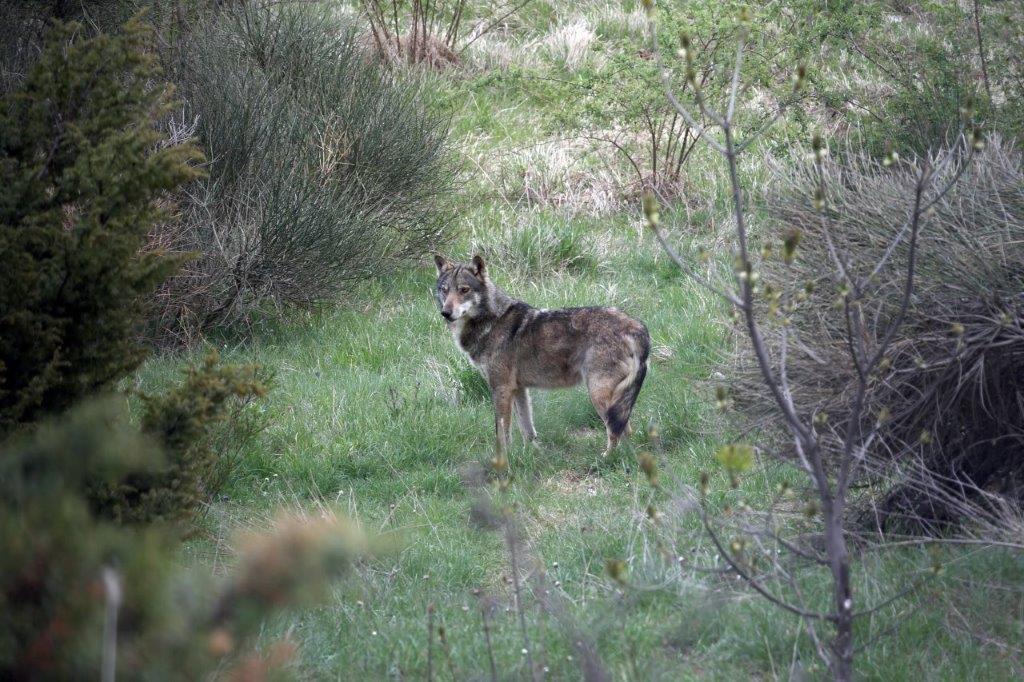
[82,171]
[51,595]
[182,421]
[325,165]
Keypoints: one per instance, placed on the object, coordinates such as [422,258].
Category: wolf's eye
[463,290]
[444,289]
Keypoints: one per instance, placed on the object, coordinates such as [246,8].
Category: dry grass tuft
[574,175]
[570,44]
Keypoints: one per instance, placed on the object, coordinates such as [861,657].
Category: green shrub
[84,170]
[51,600]
[325,166]
[182,421]
[81,174]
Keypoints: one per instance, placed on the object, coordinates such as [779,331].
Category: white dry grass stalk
[180,128]
[570,44]
[443,381]
[500,49]
[612,18]
[114,592]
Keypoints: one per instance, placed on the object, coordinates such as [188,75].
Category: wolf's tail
[626,392]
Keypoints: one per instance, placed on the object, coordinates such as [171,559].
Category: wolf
[518,347]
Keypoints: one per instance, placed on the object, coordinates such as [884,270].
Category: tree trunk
[839,563]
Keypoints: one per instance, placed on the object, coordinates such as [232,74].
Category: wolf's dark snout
[446,314]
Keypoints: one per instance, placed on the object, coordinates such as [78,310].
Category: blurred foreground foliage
[55,602]
[92,505]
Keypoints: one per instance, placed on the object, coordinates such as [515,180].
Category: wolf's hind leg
[613,396]
[601,395]
[524,411]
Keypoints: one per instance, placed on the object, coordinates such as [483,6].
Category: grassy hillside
[375,413]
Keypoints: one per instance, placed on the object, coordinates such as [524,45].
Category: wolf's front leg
[502,398]
[524,410]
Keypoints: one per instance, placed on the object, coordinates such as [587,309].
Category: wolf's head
[462,288]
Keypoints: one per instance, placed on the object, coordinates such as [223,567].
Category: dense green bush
[182,421]
[82,171]
[85,170]
[324,165]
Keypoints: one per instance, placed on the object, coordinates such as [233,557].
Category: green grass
[375,410]
[375,414]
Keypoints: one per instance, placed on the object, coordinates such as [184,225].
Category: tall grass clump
[947,393]
[544,244]
[324,166]
[184,421]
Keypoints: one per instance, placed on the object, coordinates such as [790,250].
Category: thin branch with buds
[830,467]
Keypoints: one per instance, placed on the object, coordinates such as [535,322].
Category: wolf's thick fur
[517,347]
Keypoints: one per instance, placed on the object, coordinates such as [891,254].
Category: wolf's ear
[479,268]
[441,262]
